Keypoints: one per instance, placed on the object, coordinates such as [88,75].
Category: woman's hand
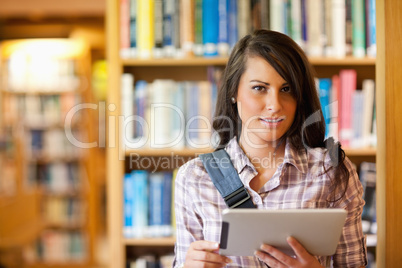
[276,258]
[205,254]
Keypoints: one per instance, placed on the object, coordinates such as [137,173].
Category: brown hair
[289,60]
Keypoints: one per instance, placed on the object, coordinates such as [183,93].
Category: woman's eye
[286,89]
[258,88]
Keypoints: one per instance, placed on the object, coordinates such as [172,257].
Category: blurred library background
[83,183]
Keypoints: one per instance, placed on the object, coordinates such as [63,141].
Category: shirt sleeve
[189,227]
[351,251]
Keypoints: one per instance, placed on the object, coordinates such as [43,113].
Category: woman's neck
[264,156]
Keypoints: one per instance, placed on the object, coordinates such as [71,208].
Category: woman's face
[265,103]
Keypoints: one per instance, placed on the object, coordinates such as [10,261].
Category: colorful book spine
[358,28]
[133,28]
[187,15]
[324,90]
[210,29]
[145,33]
[223,24]
[167,203]
[155,204]
[348,86]
[158,29]
[140,207]
[368,88]
[339,28]
[371,28]
[140,106]
[198,44]
[232,24]
[244,13]
[128,206]
[124,28]
[169,28]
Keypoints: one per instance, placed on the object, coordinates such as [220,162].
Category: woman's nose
[272,102]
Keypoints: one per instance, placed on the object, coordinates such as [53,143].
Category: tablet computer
[245,230]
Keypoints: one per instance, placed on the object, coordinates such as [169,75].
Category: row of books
[41,110]
[40,72]
[151,261]
[147,204]
[167,113]
[53,144]
[68,211]
[58,247]
[349,112]
[177,28]
[56,178]
[368,178]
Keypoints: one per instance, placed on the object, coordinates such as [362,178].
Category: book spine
[265,14]
[133,28]
[124,28]
[348,86]
[243,23]
[140,95]
[158,29]
[275,16]
[198,44]
[296,22]
[127,101]
[358,28]
[348,27]
[168,27]
[223,19]
[155,204]
[128,206]
[255,15]
[325,94]
[368,89]
[145,33]
[232,24]
[187,14]
[140,210]
[328,49]
[167,204]
[315,28]
[371,25]
[210,29]
[339,28]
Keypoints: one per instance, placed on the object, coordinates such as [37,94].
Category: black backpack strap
[226,179]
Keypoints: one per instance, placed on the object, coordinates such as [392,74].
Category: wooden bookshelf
[178,69]
[27,208]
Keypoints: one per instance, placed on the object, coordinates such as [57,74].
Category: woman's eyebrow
[267,84]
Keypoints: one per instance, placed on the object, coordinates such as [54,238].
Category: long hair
[291,63]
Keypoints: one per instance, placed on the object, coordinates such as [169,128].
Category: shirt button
[257,200]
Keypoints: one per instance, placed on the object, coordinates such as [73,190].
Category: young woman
[269,120]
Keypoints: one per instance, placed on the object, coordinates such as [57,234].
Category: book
[276,9]
[314,28]
[145,29]
[198,44]
[233,35]
[368,179]
[368,89]
[296,22]
[133,28]
[157,51]
[223,24]
[357,119]
[210,28]
[127,104]
[358,28]
[338,28]
[124,28]
[187,15]
[243,18]
[128,205]
[371,28]
[140,203]
[167,199]
[155,222]
[324,89]
[347,78]
[169,29]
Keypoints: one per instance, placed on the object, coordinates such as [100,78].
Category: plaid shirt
[299,182]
